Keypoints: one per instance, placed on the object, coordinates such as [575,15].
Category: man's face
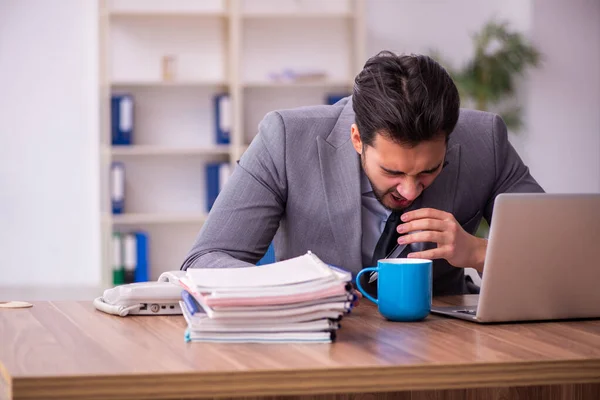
[399,174]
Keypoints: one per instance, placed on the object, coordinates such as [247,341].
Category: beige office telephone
[144,298]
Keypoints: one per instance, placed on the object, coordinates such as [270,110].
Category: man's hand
[454,244]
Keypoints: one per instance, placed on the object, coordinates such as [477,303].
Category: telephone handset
[144,298]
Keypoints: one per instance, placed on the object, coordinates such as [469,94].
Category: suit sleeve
[511,174]
[246,214]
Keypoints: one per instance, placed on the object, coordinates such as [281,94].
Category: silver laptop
[542,261]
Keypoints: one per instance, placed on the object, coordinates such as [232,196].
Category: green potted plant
[488,80]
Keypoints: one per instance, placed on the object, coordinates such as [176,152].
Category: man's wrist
[479,250]
[481,256]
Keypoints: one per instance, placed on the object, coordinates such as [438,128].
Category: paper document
[298,270]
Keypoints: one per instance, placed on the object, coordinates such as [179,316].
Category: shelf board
[168,13]
[298,15]
[158,218]
[149,150]
[168,83]
[299,84]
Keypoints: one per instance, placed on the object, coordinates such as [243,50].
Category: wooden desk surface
[70,350]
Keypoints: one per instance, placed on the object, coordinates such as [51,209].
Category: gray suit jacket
[299,185]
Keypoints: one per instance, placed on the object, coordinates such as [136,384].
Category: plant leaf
[512,119]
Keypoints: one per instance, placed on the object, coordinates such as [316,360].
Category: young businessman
[398,162]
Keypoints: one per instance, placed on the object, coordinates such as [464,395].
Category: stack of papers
[300,300]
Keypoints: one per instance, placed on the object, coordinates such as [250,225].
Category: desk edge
[310,382]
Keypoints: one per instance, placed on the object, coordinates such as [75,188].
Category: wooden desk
[69,350]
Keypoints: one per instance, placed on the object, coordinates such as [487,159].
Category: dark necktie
[385,244]
[388,238]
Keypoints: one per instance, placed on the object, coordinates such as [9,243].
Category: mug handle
[367,295]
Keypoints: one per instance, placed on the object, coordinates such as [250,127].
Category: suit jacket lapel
[340,173]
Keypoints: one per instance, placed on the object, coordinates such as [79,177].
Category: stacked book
[300,300]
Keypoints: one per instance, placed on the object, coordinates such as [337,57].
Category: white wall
[49,221]
[564,103]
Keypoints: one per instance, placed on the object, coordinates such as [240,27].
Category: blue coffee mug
[403,288]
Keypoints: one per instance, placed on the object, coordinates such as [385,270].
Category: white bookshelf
[297,15]
[324,84]
[166,7]
[233,46]
[158,218]
[120,85]
[166,13]
[167,151]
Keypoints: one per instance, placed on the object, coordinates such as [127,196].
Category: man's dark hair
[407,98]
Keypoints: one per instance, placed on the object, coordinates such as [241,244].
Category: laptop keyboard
[469,312]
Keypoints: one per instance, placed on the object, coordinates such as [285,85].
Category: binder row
[130,257]
[217,175]
[123,119]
